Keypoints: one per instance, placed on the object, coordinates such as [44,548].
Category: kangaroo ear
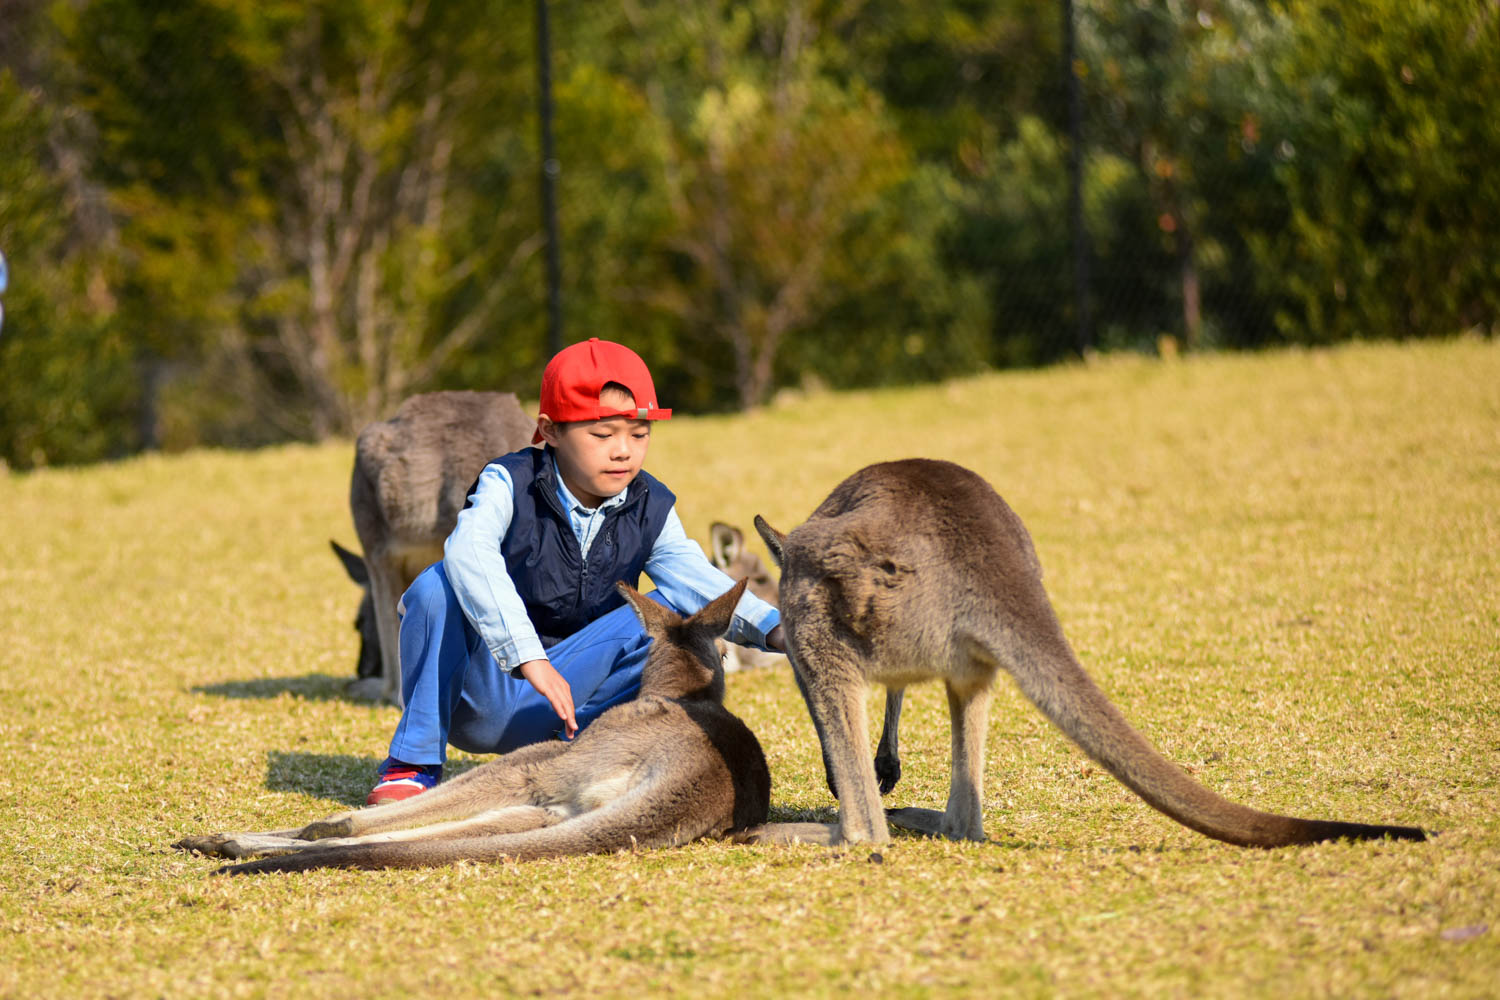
[654,618]
[775,540]
[354,565]
[718,613]
[726,542]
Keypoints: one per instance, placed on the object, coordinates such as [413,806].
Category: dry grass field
[1285,568]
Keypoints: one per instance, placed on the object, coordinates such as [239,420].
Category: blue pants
[454,691]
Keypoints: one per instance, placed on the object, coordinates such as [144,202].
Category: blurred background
[238,222]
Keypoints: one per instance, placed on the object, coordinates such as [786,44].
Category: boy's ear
[654,618]
[719,612]
[547,428]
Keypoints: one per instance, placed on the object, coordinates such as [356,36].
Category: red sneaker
[400,781]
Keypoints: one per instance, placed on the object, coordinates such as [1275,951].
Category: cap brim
[637,413]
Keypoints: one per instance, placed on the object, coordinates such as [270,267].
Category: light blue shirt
[488,597]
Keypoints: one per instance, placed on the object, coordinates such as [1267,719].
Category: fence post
[550,170]
[1084,333]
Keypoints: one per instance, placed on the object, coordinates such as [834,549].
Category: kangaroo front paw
[888,770]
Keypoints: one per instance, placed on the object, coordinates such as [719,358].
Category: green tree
[292,185]
[1389,139]
[786,188]
[68,379]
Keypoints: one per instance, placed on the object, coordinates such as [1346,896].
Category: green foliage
[1391,142]
[1318,167]
[67,380]
[240,222]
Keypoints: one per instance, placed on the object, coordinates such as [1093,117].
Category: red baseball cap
[573,379]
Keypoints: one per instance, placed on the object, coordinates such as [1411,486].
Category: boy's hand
[554,687]
[776,640]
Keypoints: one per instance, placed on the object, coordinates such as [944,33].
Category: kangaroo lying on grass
[666,769]
[412,475]
[918,570]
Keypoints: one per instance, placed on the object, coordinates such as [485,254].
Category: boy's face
[598,458]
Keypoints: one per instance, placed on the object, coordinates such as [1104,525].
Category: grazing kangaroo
[666,769]
[412,475]
[918,570]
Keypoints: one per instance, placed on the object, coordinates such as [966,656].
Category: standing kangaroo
[412,475]
[666,769]
[918,570]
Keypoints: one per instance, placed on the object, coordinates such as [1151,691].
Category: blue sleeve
[685,577]
[476,569]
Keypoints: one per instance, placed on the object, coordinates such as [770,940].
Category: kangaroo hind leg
[240,845]
[964,817]
[500,782]
[635,819]
[495,822]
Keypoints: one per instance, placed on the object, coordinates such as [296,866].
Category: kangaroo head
[728,552]
[726,542]
[684,660]
[364,619]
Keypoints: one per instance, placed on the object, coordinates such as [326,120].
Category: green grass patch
[1283,567]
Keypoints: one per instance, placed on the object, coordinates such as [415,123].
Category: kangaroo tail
[632,821]
[1056,682]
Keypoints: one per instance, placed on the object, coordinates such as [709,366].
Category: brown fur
[411,477]
[666,769]
[917,570]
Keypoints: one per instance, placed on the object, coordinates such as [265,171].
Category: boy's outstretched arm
[685,577]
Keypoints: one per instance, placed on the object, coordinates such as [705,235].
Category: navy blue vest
[562,591]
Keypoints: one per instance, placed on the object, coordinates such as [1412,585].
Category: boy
[518,634]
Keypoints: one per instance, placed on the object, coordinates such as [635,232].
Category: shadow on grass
[345,778]
[309,687]
[342,777]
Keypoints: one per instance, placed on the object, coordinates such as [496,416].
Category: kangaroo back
[413,471]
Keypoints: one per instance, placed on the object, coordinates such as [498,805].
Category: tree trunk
[1192,299]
